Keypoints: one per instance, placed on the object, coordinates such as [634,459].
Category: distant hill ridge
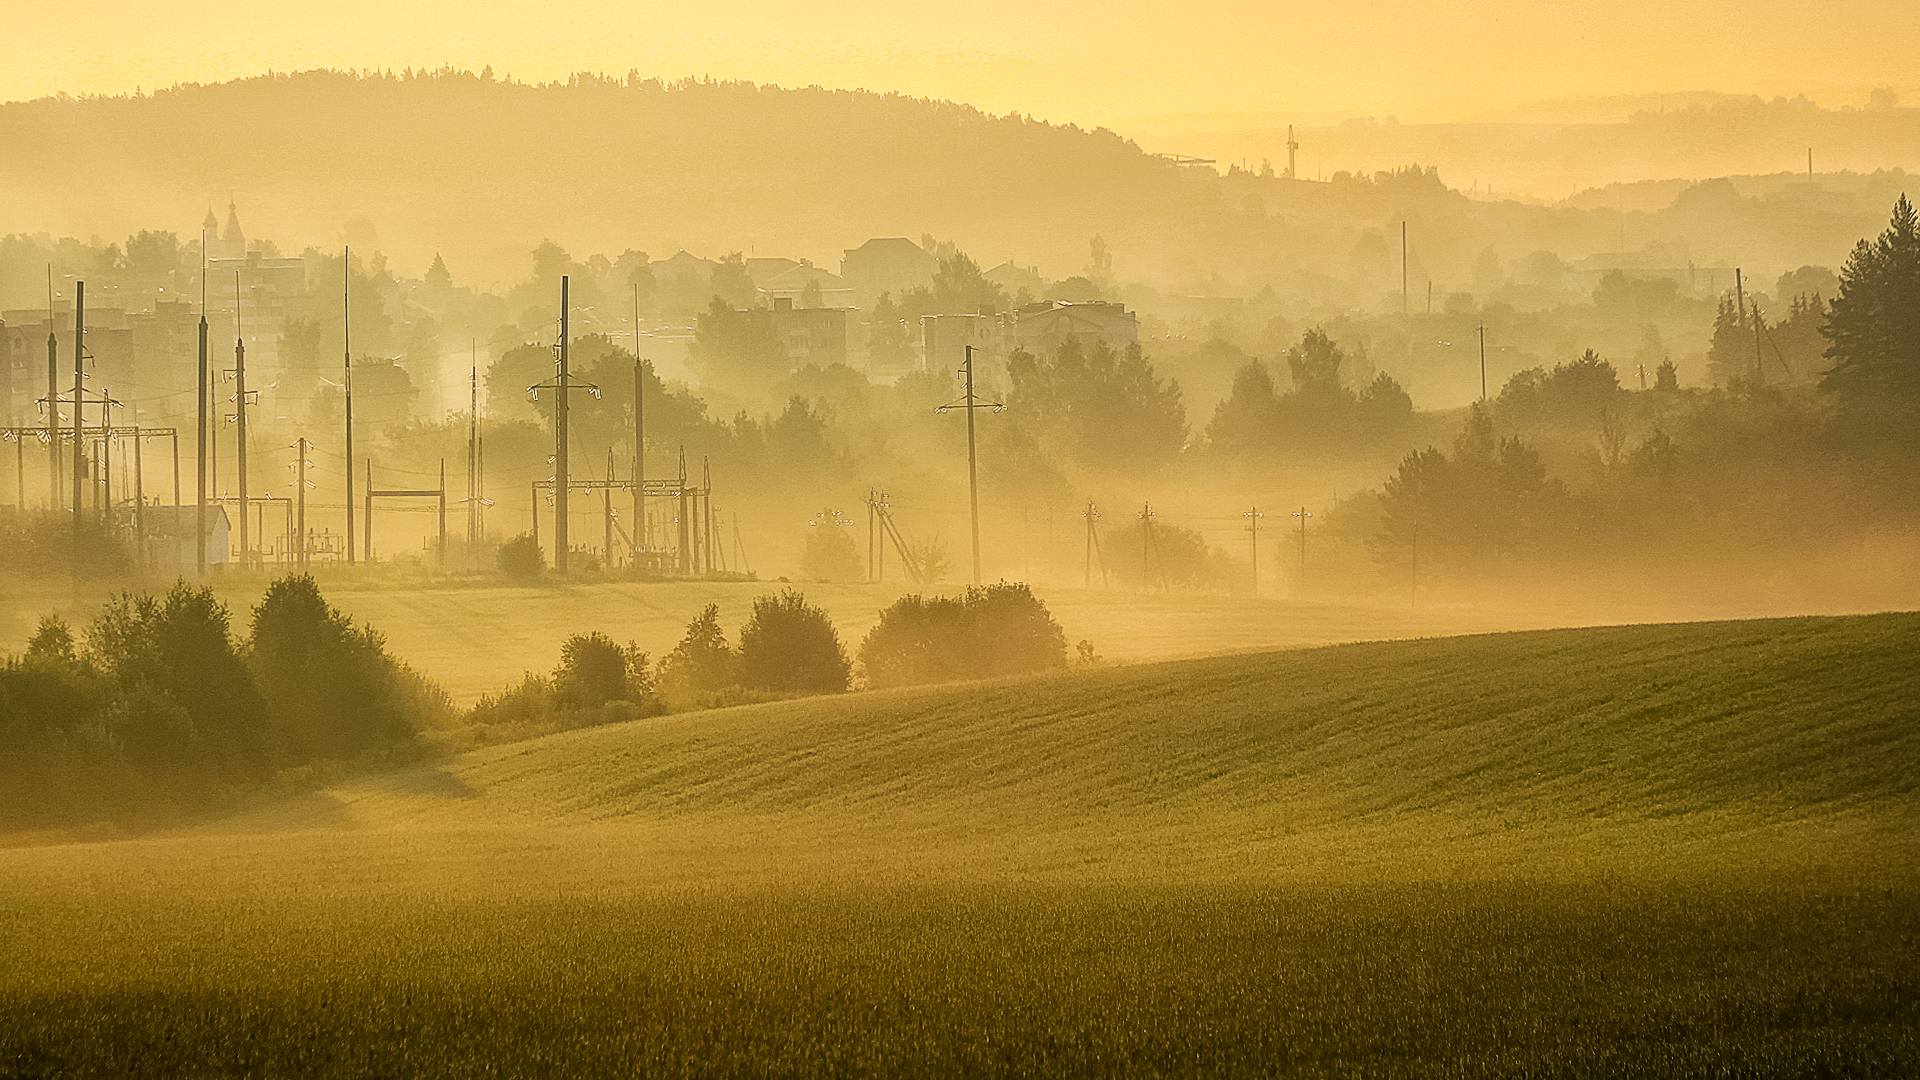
[481,169]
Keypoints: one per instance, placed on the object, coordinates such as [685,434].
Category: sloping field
[1655,851]
[1541,751]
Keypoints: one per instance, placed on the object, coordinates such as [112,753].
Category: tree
[1873,334]
[522,560]
[991,630]
[702,665]
[1248,421]
[594,670]
[789,645]
[830,553]
[180,648]
[889,339]
[1315,364]
[737,346]
[1105,409]
[960,288]
[1730,351]
[332,691]
[1575,392]
[1488,503]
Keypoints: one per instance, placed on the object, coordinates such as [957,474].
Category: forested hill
[481,169]
[464,162]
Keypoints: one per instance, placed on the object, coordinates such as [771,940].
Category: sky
[1138,67]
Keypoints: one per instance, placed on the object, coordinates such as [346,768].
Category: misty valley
[701,578]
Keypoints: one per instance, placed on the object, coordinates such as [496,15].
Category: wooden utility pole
[706,500]
[300,490]
[53,406]
[970,402]
[1146,544]
[200,446]
[1092,514]
[79,397]
[1303,516]
[473,457]
[1254,515]
[639,429]
[1483,361]
[240,415]
[346,385]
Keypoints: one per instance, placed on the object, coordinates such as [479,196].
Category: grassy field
[1661,850]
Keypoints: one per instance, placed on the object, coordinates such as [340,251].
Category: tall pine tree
[1873,335]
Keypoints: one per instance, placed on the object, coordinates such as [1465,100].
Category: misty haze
[910,554]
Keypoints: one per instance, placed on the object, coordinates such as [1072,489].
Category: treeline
[158,708]
[786,648]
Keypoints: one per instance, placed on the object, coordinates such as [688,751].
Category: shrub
[788,645]
[992,630]
[594,670]
[522,560]
[597,682]
[701,666]
[831,555]
[332,692]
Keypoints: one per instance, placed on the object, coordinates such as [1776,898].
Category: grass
[1663,850]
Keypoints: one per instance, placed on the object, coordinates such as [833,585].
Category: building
[944,340]
[1042,328]
[168,533]
[1014,278]
[797,282]
[890,264]
[815,335]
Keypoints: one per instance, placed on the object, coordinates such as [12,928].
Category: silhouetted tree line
[158,707]
[1319,415]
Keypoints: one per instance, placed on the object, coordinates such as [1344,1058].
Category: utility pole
[1483,361]
[1146,544]
[1303,516]
[240,414]
[873,500]
[1740,298]
[79,396]
[639,429]
[970,402]
[1759,361]
[473,454]
[1254,515]
[53,403]
[346,384]
[1092,514]
[300,490]
[200,445]
[562,385]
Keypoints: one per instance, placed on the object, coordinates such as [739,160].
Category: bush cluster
[158,704]
[990,630]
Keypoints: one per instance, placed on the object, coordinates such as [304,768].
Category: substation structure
[688,543]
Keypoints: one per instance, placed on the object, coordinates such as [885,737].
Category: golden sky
[1128,64]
